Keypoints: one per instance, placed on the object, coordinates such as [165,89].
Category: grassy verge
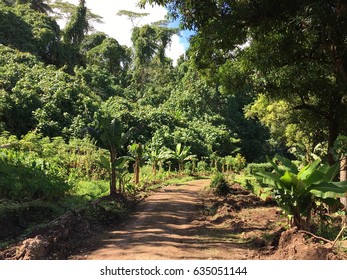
[250,183]
[175,179]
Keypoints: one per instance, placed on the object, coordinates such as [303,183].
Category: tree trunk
[181,166]
[343,169]
[333,134]
[154,168]
[343,177]
[137,172]
[113,189]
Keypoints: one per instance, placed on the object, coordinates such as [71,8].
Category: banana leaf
[329,190]
[104,162]
[315,177]
[274,165]
[288,164]
[331,172]
[269,179]
[121,161]
[291,182]
[308,170]
[288,179]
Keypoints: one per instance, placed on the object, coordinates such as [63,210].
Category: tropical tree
[108,135]
[77,28]
[157,155]
[37,5]
[64,10]
[27,30]
[182,154]
[109,55]
[134,17]
[297,191]
[36,96]
[149,43]
[136,150]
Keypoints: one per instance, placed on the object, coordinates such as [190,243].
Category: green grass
[250,183]
[24,217]
[91,190]
[174,180]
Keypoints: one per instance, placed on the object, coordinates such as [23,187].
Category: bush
[202,166]
[235,163]
[26,178]
[188,167]
[253,168]
[219,185]
[91,190]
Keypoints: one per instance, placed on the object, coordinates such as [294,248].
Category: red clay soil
[188,222]
[184,221]
[166,226]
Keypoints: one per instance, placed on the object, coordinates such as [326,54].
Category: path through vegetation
[176,223]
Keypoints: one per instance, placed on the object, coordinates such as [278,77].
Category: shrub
[253,168]
[188,167]
[297,191]
[235,163]
[91,189]
[219,185]
[24,177]
[202,166]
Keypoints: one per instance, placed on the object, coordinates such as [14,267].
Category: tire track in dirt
[168,225]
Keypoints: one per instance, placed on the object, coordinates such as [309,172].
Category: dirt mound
[295,245]
[51,238]
[63,236]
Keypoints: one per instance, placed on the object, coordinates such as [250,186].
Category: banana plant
[157,155]
[182,154]
[108,135]
[120,167]
[296,191]
[136,150]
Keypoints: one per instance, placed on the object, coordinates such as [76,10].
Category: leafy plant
[108,135]
[219,185]
[136,150]
[157,155]
[202,166]
[182,154]
[296,191]
[253,168]
[25,177]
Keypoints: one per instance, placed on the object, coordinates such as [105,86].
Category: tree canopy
[252,81]
[294,51]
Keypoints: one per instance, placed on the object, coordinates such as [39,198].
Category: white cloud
[119,27]
[176,49]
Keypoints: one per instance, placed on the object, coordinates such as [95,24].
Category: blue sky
[185,34]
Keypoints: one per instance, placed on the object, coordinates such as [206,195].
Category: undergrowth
[219,185]
[19,218]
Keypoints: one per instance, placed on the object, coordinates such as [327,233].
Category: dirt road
[187,222]
[168,225]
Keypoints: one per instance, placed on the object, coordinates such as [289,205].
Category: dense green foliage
[297,191]
[40,167]
[79,112]
[291,52]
